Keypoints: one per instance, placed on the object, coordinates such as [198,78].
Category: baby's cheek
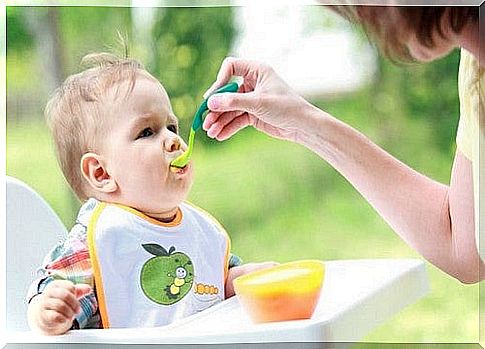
[190,180]
[185,189]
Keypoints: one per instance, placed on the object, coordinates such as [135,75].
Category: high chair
[33,228]
[357,295]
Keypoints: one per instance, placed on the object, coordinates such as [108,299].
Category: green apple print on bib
[167,277]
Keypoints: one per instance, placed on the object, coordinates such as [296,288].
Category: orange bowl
[289,291]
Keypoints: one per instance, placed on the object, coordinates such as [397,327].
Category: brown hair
[390,26]
[75,111]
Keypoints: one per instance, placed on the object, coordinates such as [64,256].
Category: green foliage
[431,92]
[31,158]
[91,29]
[272,196]
[18,37]
[412,111]
[190,44]
[277,200]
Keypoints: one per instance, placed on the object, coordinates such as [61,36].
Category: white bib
[148,273]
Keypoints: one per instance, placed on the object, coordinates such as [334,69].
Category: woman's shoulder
[470,73]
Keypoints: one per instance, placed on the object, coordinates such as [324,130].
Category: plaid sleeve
[234,261]
[69,260]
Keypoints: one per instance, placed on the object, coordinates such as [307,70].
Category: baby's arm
[52,312]
[243,269]
[67,264]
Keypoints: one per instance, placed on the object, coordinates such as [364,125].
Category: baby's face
[141,140]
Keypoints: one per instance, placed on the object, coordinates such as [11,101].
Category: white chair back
[33,228]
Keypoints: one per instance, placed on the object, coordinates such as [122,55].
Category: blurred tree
[18,37]
[420,91]
[188,47]
[423,92]
[190,44]
[431,91]
[92,29]
[43,24]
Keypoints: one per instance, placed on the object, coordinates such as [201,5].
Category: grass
[278,201]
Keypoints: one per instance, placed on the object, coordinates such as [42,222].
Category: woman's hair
[76,111]
[390,26]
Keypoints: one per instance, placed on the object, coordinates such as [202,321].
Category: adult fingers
[233,127]
[215,121]
[213,117]
[210,118]
[223,76]
[224,102]
[248,69]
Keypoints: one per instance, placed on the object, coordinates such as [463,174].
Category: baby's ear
[95,173]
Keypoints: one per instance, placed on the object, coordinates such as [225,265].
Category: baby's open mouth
[178,169]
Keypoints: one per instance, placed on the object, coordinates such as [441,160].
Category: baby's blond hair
[75,111]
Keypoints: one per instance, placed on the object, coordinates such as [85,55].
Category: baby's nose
[172,144]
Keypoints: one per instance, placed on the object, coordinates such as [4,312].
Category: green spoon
[182,160]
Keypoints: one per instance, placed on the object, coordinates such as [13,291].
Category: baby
[138,255]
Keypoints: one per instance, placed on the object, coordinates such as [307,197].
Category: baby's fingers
[62,307]
[52,322]
[52,318]
[82,290]
[66,296]
[63,284]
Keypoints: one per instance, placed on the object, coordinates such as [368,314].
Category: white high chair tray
[357,295]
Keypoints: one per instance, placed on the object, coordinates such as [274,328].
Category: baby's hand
[234,272]
[56,307]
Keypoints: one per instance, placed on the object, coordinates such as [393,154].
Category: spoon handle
[183,159]
[197,123]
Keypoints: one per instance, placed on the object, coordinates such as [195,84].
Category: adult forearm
[435,219]
[415,206]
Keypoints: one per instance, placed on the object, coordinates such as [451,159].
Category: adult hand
[265,101]
[57,306]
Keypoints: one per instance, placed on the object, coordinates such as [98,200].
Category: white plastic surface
[357,296]
[33,229]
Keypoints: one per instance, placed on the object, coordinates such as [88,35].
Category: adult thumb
[82,290]
[223,102]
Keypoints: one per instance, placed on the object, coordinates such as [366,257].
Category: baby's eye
[172,128]
[147,132]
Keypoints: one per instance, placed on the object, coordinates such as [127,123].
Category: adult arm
[435,219]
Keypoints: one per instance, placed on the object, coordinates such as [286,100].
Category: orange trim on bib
[177,220]
[91,235]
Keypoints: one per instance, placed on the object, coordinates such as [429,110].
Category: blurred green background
[277,200]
